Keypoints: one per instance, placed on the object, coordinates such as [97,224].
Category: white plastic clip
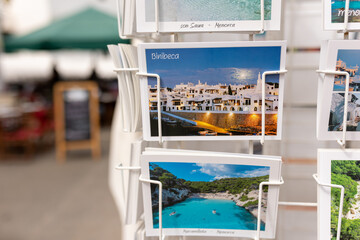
[346,99]
[281,182]
[160,203]
[263,110]
[315,176]
[154,75]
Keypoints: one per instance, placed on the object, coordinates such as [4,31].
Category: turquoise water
[336,5]
[198,213]
[341,4]
[205,10]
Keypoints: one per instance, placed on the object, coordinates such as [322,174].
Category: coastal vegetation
[238,189]
[347,174]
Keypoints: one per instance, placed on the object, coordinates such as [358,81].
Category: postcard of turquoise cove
[223,190]
[205,16]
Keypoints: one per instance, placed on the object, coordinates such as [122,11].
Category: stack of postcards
[126,18]
[124,57]
[210,193]
[126,143]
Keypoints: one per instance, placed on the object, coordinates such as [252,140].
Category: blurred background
[43,42]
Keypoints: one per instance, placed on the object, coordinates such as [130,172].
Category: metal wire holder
[154,75]
[161,236]
[281,182]
[346,99]
[263,110]
[342,189]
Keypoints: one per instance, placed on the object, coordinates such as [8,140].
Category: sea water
[340,5]
[205,10]
[198,213]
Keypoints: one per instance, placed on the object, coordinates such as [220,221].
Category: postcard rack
[345,31]
[260,30]
[342,141]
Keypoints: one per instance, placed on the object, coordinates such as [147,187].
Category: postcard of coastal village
[224,196]
[346,173]
[347,60]
[213,91]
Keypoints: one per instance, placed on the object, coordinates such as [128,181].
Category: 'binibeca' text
[165,56]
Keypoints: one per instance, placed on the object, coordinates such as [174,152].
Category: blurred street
[42,199]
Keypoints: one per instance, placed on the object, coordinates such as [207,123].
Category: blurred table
[23,126]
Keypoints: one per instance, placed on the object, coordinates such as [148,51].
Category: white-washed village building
[220,97]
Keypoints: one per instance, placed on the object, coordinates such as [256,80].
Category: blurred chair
[20,135]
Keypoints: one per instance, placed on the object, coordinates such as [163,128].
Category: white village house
[216,98]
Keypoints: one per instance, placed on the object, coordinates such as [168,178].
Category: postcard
[340,167]
[207,16]
[341,56]
[224,190]
[212,91]
[334,15]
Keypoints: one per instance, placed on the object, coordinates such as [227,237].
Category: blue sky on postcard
[211,171]
[350,56]
[232,65]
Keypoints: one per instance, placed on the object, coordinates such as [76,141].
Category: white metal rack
[266,73]
[341,142]
[341,202]
[262,140]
